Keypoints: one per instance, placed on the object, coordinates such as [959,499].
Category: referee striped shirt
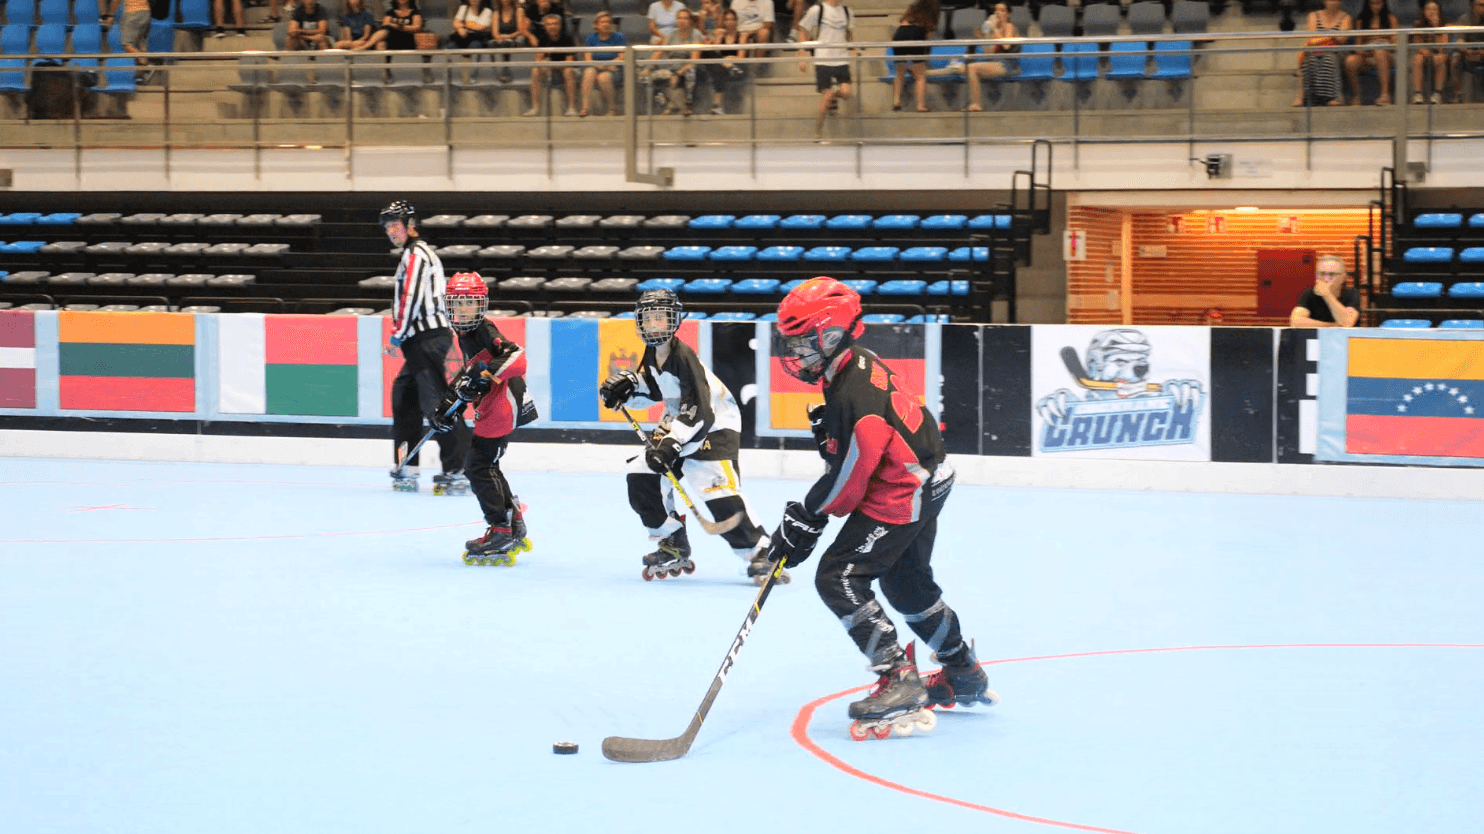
[417,294]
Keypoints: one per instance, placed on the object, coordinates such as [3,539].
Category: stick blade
[716,528]
[620,749]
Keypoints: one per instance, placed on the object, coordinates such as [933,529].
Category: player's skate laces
[961,682]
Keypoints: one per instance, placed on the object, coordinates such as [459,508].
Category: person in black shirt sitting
[552,34]
[1328,303]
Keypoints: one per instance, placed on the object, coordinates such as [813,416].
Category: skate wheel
[646,575]
[880,732]
[902,730]
[857,732]
[468,560]
[525,546]
[688,567]
[437,490]
[674,571]
[925,719]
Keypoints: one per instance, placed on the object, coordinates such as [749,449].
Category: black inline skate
[897,702]
[671,556]
[960,681]
[450,483]
[404,481]
[499,544]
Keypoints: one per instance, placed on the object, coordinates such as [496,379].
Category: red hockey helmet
[817,319]
[467,298]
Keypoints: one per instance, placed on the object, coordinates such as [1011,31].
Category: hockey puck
[565,748]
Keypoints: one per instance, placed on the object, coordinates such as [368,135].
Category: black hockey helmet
[398,210]
[657,316]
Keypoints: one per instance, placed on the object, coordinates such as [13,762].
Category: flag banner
[127,361]
[287,364]
[17,359]
[584,352]
[1134,393]
[1415,397]
[900,346]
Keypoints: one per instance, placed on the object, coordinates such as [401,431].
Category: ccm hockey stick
[620,749]
[1074,367]
[715,528]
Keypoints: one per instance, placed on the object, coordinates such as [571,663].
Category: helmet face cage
[467,299]
[815,321]
[398,210]
[657,317]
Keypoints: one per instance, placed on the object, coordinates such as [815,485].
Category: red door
[1282,276]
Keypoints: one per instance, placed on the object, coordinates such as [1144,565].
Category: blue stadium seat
[87,38]
[161,35]
[1428,255]
[1477,221]
[20,12]
[755,286]
[695,314]
[671,284]
[51,39]
[1123,66]
[990,221]
[902,286]
[687,253]
[848,222]
[1417,289]
[1406,324]
[1037,62]
[1168,66]
[781,253]
[954,287]
[1079,61]
[713,221]
[897,222]
[791,285]
[945,222]
[707,286]
[1472,255]
[768,317]
[55,11]
[734,316]
[85,12]
[928,318]
[1437,221]
[1467,289]
[802,221]
[22,247]
[757,221]
[924,254]
[626,314]
[118,73]
[1462,324]
[734,253]
[194,14]
[827,253]
[875,254]
[864,286]
[15,40]
[965,254]
[883,318]
[19,218]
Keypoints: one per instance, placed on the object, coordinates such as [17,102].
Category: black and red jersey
[882,446]
[498,412]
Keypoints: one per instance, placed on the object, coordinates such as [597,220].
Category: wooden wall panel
[1093,284]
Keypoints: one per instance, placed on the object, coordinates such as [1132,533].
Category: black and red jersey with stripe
[882,446]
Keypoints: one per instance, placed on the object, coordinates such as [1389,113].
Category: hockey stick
[715,528]
[403,456]
[620,749]
[1074,367]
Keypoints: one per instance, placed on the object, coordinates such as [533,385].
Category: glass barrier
[1263,86]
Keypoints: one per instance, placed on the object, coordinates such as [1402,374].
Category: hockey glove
[470,388]
[441,420]
[816,425]
[662,456]
[618,388]
[796,536]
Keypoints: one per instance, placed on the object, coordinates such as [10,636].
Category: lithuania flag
[300,365]
[1415,397]
[127,361]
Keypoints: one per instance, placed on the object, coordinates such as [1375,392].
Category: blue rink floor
[226,648]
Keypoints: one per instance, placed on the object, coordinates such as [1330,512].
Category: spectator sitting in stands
[309,28]
[708,19]
[537,10]
[1328,303]
[678,67]
[357,26]
[603,46]
[471,25]
[1471,58]
[218,12]
[829,22]
[1320,71]
[996,27]
[727,73]
[755,22]
[662,19]
[917,24]
[398,25]
[553,35]
[133,26]
[1374,15]
[512,28]
[1431,17]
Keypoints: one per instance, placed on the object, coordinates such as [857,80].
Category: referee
[420,328]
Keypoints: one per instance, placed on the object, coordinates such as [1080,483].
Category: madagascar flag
[1415,397]
[298,365]
[17,359]
[127,361]
[900,346]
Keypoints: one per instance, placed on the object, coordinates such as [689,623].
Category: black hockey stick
[1074,367]
[715,528]
[620,749]
[402,457]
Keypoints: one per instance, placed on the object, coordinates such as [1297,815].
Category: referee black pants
[415,394]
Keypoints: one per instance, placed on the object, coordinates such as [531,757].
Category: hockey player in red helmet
[697,442]
[493,379]
[886,473]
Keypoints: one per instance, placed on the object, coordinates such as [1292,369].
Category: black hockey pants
[415,394]
[482,465]
[900,556]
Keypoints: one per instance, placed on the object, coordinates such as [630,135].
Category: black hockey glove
[441,420]
[796,536]
[471,387]
[816,425]
[662,456]
[618,388]
[503,351]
